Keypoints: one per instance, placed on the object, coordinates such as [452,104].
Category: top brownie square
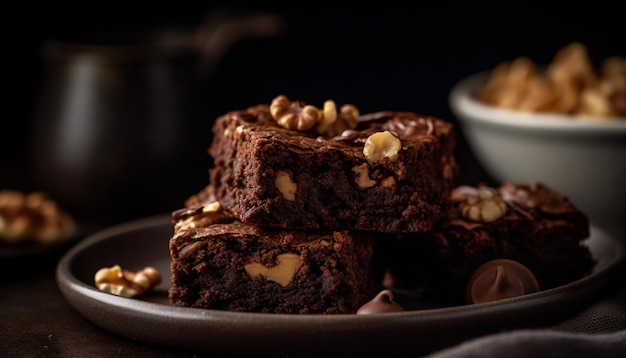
[383,172]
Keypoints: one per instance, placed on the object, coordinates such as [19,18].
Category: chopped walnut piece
[485,206]
[282,273]
[294,115]
[347,118]
[381,145]
[125,283]
[328,117]
[361,176]
[298,116]
[388,182]
[200,216]
[350,114]
[285,185]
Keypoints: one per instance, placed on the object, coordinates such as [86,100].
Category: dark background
[386,56]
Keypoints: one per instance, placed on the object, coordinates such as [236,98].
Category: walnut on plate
[124,283]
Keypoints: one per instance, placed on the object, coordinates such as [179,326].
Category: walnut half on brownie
[529,223]
[221,263]
[291,165]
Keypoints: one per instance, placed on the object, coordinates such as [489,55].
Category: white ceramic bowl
[582,159]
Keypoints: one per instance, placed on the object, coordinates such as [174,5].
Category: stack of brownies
[315,210]
[297,196]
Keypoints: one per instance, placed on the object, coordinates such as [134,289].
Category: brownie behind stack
[287,221]
[532,224]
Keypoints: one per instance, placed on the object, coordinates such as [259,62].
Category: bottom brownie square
[221,263]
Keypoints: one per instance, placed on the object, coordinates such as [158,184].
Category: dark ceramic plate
[151,319]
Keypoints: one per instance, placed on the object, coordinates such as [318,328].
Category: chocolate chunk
[499,279]
[382,303]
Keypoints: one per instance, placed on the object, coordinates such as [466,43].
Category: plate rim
[260,327]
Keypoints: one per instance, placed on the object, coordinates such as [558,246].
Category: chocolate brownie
[529,223]
[220,263]
[387,172]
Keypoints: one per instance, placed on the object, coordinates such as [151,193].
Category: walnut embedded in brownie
[530,223]
[392,172]
[221,263]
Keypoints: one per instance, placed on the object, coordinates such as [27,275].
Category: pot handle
[222,29]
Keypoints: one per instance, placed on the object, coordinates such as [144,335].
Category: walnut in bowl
[32,218]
